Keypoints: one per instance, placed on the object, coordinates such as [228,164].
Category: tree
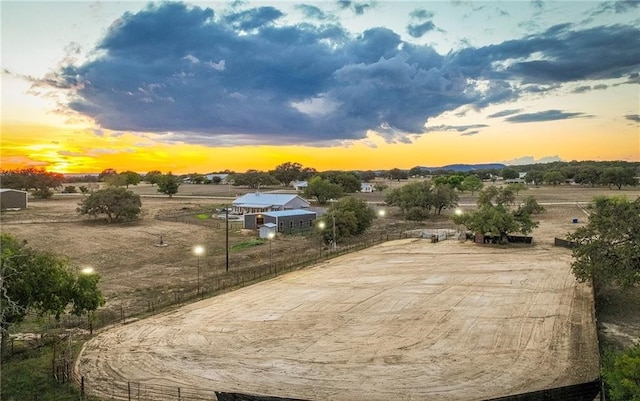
[130,178]
[323,190]
[412,195]
[153,176]
[117,204]
[115,180]
[618,176]
[254,179]
[472,183]
[442,197]
[553,177]
[607,248]
[498,215]
[534,177]
[32,178]
[168,184]
[517,187]
[367,176]
[622,375]
[587,175]
[106,173]
[41,282]
[287,172]
[349,182]
[509,173]
[353,216]
[417,171]
[397,174]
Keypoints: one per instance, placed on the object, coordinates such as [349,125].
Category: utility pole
[226,219]
[334,232]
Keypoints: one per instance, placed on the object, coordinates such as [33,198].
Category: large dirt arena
[407,319]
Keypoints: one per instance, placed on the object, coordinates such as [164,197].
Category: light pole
[458,213]
[198,250]
[88,271]
[271,236]
[335,245]
[381,214]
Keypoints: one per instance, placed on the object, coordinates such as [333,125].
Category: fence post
[82,387]
[129,391]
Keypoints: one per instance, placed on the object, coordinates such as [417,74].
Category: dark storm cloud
[243,78]
[548,115]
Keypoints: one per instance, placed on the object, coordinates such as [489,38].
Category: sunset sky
[208,86]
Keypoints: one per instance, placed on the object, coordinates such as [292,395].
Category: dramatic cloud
[548,115]
[633,117]
[245,77]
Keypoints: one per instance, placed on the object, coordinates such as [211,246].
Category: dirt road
[405,320]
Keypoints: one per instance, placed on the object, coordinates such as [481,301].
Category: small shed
[267,230]
[13,199]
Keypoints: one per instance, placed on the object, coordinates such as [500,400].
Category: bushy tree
[607,248]
[168,184]
[117,204]
[622,375]
[322,190]
[287,172]
[30,178]
[414,194]
[618,176]
[130,178]
[509,173]
[472,183]
[534,177]
[553,177]
[254,179]
[353,216]
[42,282]
[153,176]
[497,214]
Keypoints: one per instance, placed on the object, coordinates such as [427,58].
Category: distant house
[224,178]
[366,187]
[300,185]
[13,199]
[259,203]
[286,221]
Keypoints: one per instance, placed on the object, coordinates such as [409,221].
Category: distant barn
[13,199]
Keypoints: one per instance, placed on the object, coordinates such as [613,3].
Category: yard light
[271,236]
[381,214]
[198,250]
[87,270]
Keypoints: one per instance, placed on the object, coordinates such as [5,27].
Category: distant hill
[468,167]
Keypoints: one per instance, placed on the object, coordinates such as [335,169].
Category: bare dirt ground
[403,320]
[423,320]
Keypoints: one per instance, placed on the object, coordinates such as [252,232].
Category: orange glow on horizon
[74,150]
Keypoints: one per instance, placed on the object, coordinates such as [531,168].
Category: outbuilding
[286,221]
[13,199]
